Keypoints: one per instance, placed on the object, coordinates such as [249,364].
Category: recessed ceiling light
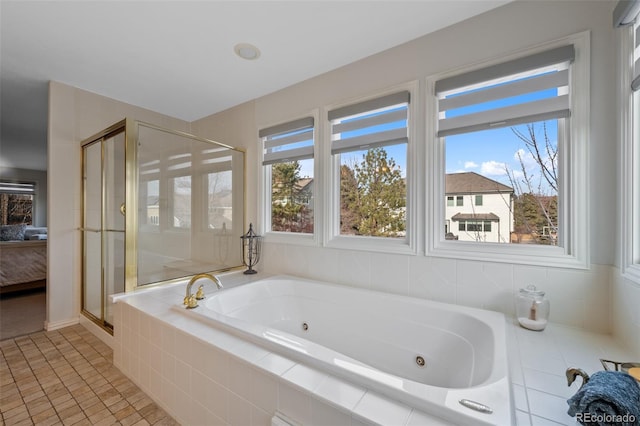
[247,51]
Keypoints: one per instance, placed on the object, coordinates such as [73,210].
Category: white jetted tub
[426,354]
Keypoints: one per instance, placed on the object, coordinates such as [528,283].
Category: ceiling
[177,57]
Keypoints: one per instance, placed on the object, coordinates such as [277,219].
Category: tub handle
[476,406]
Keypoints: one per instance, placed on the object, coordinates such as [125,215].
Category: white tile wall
[579,298]
[202,375]
[626,315]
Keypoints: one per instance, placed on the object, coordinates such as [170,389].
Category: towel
[608,398]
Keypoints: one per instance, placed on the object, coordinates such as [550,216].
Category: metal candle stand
[251,248]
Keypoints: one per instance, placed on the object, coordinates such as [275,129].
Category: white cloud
[517,175]
[526,158]
[493,168]
[470,165]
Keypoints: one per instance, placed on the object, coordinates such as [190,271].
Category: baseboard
[97,331]
[50,326]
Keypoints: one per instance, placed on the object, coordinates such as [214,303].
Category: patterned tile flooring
[67,377]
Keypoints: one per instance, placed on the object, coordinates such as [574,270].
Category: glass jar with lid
[532,308]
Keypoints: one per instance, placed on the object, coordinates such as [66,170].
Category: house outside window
[478,200]
[525,120]
[492,220]
[288,151]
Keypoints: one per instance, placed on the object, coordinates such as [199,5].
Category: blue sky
[489,153]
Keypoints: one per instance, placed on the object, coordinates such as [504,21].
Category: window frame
[331,178]
[574,178]
[629,136]
[31,189]
[171,201]
[264,196]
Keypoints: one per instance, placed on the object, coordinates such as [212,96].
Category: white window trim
[629,137]
[264,199]
[331,180]
[575,253]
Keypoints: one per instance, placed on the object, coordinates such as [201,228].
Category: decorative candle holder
[532,308]
[251,248]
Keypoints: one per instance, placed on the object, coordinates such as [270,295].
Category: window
[513,136]
[153,203]
[216,169]
[16,203]
[369,147]
[180,208]
[459,201]
[288,151]
[219,200]
[450,201]
[475,226]
[628,19]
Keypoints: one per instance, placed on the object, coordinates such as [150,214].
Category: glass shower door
[92,230]
[103,225]
[114,210]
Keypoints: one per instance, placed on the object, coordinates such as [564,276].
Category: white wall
[578,298]
[75,115]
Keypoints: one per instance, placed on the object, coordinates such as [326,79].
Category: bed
[23,262]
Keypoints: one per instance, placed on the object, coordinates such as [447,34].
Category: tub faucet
[191,300]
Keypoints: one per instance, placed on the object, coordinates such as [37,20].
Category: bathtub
[426,354]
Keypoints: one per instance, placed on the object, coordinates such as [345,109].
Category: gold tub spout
[190,300]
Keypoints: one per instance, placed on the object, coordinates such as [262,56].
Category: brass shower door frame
[98,138]
[130,127]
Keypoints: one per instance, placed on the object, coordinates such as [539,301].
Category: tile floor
[67,377]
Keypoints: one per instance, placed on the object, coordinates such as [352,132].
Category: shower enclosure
[158,205]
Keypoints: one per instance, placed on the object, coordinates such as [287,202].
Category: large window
[626,16]
[288,151]
[16,203]
[510,142]
[369,147]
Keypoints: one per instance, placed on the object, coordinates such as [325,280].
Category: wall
[580,298]
[626,315]
[235,127]
[74,115]
[40,179]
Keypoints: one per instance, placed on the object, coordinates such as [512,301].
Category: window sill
[374,244]
[511,253]
[290,238]
[632,273]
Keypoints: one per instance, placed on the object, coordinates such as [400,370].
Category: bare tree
[533,201]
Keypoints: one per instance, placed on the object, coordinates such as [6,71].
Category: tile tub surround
[200,374]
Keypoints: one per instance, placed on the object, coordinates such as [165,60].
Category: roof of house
[472,183]
[475,216]
[303,183]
